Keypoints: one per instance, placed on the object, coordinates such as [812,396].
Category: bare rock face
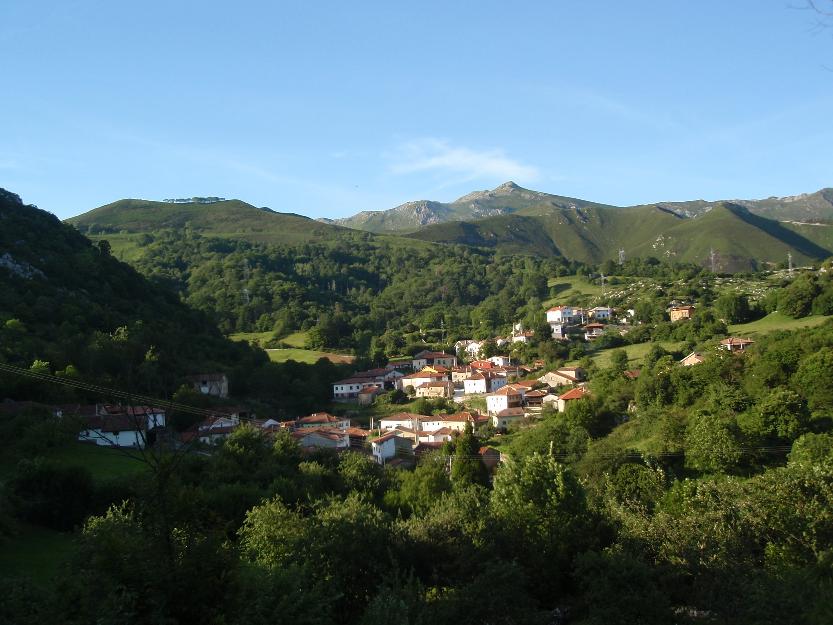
[19,268]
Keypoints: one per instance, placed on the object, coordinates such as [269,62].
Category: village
[493,395]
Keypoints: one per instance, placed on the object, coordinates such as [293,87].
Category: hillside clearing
[777,321]
[35,552]
[307,355]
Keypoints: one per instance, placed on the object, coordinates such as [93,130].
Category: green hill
[739,238]
[67,301]
[588,234]
[229,219]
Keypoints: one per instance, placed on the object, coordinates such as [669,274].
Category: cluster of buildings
[430,375]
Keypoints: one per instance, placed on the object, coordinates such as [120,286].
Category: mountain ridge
[509,198]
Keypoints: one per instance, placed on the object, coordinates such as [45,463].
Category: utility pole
[603,284]
[621,256]
[790,264]
[712,256]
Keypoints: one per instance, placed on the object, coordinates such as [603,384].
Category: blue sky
[329,108]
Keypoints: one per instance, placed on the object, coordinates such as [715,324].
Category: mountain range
[738,234]
[509,198]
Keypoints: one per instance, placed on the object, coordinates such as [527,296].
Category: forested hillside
[350,292]
[68,306]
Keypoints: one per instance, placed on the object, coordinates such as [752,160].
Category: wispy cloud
[440,156]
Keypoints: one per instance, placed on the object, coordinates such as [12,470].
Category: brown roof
[511,412]
[576,393]
[404,416]
[536,394]
[384,437]
[433,355]
[736,341]
[320,417]
[632,374]
[507,390]
[333,435]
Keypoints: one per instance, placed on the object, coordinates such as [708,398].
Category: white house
[559,330]
[350,388]
[601,313]
[523,337]
[384,447]
[500,361]
[402,419]
[456,422]
[507,397]
[564,314]
[483,382]
[121,426]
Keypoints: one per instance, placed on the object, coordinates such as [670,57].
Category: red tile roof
[576,393]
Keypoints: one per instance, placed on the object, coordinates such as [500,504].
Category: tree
[781,414]
[466,466]
[710,443]
[797,299]
[619,360]
[543,515]
[620,589]
[360,475]
[418,489]
[813,379]
[732,307]
[812,448]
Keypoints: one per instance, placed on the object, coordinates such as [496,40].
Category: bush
[49,494]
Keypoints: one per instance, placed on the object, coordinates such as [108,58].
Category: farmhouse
[421,377]
[563,376]
[436,389]
[571,395]
[322,438]
[681,313]
[694,358]
[321,419]
[593,331]
[601,313]
[564,314]
[733,344]
[425,358]
[210,384]
[121,426]
[507,417]
[483,382]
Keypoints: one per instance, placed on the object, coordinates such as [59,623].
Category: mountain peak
[507,186]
